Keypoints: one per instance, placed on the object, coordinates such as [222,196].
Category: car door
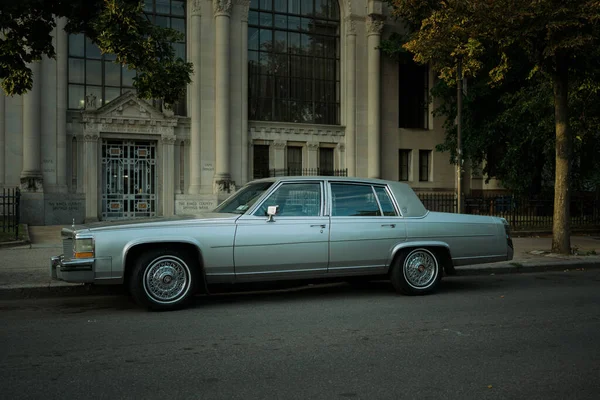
[365,227]
[293,244]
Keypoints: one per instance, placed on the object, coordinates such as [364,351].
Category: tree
[119,27]
[558,37]
[509,130]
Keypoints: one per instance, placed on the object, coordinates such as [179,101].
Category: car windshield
[240,202]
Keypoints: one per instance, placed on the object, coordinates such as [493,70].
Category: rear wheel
[163,279]
[416,272]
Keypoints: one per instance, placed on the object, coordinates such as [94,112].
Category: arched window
[294,61]
[91,72]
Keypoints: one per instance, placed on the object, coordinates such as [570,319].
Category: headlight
[84,248]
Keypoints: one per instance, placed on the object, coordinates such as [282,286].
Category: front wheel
[163,279]
[416,272]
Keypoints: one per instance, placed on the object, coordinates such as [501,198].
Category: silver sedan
[287,228]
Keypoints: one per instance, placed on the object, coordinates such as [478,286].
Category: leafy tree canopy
[558,38]
[509,129]
[440,32]
[118,27]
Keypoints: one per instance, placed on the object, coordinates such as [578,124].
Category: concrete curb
[595,230]
[530,267]
[15,292]
[18,243]
[58,289]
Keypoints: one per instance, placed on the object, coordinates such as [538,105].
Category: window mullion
[84,72]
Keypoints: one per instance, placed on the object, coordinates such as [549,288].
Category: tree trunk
[561,229]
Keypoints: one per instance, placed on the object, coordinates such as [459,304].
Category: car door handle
[322,226]
[390,225]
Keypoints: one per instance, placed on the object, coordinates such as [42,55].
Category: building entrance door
[128,179]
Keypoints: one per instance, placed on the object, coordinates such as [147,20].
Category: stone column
[168,175]
[90,170]
[2,136]
[62,56]
[245,6]
[187,143]
[222,177]
[342,151]
[279,154]
[2,133]
[195,103]
[313,157]
[350,96]
[177,162]
[250,160]
[80,164]
[31,174]
[374,27]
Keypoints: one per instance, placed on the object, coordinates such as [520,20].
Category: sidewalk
[24,269]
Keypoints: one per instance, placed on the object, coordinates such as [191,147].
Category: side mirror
[271,211]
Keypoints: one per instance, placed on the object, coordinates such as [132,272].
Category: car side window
[387,206]
[353,201]
[294,200]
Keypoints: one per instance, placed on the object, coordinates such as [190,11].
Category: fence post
[456,202]
[17,212]
[3,210]
[514,210]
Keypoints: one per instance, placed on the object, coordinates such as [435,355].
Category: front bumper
[74,271]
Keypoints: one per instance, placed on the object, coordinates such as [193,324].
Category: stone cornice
[268,130]
[139,122]
[222,8]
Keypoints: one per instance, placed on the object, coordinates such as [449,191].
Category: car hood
[158,222]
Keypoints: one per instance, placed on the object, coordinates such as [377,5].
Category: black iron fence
[10,211]
[299,172]
[521,213]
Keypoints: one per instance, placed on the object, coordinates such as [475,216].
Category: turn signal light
[84,255]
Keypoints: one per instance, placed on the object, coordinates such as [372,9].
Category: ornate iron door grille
[128,179]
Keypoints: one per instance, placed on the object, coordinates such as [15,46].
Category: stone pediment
[126,107]
[128,114]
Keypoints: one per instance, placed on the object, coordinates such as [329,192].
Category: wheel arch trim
[171,240]
[415,244]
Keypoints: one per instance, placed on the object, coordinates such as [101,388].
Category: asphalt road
[531,336]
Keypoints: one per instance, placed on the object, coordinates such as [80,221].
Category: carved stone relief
[375,24]
[196,7]
[222,8]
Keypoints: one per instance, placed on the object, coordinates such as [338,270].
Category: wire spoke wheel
[420,269]
[416,271]
[166,279]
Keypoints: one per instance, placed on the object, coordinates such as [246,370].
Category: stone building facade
[279,87]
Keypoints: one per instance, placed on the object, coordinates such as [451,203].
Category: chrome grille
[68,248]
